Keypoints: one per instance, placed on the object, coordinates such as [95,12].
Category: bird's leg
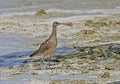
[44,62]
[77,51]
[50,59]
[49,62]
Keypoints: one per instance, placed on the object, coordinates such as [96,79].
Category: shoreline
[91,33]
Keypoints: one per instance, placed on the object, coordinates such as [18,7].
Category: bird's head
[55,24]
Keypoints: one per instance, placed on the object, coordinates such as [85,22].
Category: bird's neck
[54,32]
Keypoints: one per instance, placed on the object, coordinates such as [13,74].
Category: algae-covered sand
[93,54]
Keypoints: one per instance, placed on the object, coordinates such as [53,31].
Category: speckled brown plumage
[48,46]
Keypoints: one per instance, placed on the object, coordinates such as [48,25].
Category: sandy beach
[87,53]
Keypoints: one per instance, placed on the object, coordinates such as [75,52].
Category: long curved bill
[67,24]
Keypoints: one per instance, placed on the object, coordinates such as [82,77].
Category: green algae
[41,12]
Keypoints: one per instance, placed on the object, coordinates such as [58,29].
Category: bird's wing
[44,46]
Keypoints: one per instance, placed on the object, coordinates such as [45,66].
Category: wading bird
[48,46]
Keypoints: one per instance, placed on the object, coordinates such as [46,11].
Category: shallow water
[13,43]
[12,7]
[61,4]
[13,47]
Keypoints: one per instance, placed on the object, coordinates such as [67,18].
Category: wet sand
[94,40]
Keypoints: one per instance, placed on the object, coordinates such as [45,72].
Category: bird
[48,46]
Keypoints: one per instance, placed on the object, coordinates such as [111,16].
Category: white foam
[118,7]
[92,11]
[78,12]
[16,13]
